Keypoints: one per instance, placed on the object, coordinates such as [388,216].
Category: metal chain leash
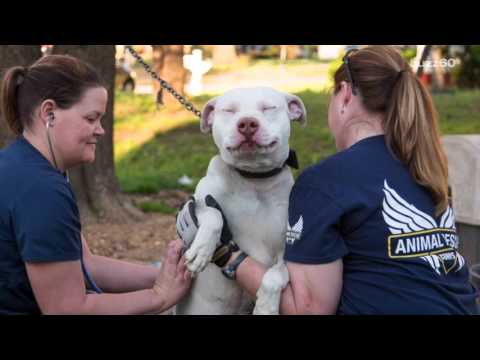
[165,85]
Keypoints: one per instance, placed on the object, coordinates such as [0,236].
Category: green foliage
[409,54]
[157,207]
[468,73]
[333,67]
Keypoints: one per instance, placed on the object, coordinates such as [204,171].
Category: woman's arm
[59,288]
[117,276]
[313,289]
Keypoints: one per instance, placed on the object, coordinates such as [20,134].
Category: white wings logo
[294,232]
[416,234]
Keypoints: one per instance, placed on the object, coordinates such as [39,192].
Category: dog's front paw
[269,293]
[268,303]
[199,255]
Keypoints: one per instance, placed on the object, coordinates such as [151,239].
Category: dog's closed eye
[267,108]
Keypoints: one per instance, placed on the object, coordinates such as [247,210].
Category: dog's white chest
[258,221]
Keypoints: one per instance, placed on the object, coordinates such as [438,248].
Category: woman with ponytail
[54,108]
[371,229]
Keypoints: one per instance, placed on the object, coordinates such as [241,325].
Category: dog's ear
[207,116]
[296,109]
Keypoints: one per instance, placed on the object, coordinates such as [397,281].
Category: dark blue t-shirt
[363,205]
[39,222]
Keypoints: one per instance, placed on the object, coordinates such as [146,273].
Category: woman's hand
[174,280]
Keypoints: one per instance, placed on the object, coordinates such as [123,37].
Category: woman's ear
[346,92]
[47,111]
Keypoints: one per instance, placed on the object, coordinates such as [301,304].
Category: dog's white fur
[256,209]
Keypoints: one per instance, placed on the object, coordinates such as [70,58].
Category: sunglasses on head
[346,61]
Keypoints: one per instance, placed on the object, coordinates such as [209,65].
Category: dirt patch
[143,241]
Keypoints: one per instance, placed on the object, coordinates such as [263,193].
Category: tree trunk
[168,63]
[290,52]
[95,185]
[224,54]
[283,53]
[293,52]
[15,55]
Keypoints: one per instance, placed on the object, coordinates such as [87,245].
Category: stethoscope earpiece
[51,119]
[49,125]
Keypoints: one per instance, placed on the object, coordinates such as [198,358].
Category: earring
[343,110]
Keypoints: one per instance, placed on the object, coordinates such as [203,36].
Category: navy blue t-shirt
[363,205]
[39,222]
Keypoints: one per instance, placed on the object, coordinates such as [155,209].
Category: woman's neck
[41,144]
[361,129]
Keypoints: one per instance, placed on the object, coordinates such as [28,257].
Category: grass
[459,112]
[159,163]
[137,120]
[154,148]
[180,149]
[157,207]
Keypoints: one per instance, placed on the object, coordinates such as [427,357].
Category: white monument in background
[329,52]
[198,68]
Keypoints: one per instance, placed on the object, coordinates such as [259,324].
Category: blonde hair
[387,85]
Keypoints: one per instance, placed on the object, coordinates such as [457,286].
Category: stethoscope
[49,125]
[51,119]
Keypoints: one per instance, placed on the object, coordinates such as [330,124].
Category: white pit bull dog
[251,181]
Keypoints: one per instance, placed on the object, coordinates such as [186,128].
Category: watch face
[230,273]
